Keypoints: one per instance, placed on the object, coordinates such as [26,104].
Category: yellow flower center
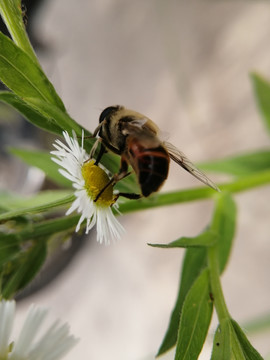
[95,180]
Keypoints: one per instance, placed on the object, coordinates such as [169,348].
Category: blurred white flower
[88,179]
[52,345]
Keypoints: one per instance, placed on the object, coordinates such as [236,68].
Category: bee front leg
[102,151]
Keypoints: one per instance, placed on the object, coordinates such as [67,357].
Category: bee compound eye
[108,112]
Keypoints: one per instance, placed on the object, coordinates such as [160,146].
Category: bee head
[108,112]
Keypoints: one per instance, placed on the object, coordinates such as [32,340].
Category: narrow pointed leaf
[205,239]
[195,319]
[8,250]
[12,14]
[224,223]
[262,94]
[23,76]
[240,165]
[61,118]
[17,202]
[29,113]
[43,228]
[33,209]
[248,350]
[25,270]
[222,341]
[194,262]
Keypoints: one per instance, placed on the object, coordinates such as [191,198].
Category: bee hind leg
[131,196]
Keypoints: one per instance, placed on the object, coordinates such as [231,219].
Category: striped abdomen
[151,165]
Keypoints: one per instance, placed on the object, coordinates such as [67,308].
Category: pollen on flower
[95,180]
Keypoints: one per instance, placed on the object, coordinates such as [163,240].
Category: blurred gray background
[185,65]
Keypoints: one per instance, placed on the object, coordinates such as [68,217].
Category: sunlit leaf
[32,115]
[12,15]
[23,76]
[50,110]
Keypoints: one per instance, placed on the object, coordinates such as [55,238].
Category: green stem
[11,13]
[162,199]
[176,197]
[219,301]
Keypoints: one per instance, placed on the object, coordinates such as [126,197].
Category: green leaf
[204,239]
[8,250]
[26,268]
[17,202]
[194,262]
[230,342]
[12,15]
[43,161]
[23,76]
[52,111]
[42,229]
[222,341]
[223,224]
[240,165]
[35,117]
[247,349]
[195,319]
[262,94]
[21,209]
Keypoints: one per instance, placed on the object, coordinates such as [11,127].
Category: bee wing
[181,159]
[140,127]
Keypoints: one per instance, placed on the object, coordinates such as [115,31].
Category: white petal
[71,157]
[28,333]
[53,344]
[7,312]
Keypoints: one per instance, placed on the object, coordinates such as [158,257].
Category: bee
[135,138]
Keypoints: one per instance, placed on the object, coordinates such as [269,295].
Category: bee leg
[123,172]
[94,148]
[113,181]
[130,196]
[100,154]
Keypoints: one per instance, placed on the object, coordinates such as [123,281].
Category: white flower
[88,179]
[52,345]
